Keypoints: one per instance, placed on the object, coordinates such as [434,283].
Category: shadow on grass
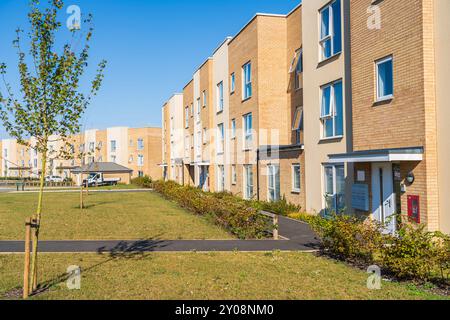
[136,250]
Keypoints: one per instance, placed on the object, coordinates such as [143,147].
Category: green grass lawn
[109,216]
[234,275]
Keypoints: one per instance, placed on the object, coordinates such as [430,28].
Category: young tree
[51,104]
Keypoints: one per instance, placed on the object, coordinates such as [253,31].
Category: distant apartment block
[136,149]
[338,106]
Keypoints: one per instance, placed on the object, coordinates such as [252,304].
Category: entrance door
[383,197]
[204,176]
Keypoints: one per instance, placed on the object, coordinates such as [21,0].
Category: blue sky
[152,48]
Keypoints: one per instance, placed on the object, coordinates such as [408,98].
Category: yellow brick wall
[409,119]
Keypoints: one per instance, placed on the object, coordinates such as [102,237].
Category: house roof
[380,155]
[102,167]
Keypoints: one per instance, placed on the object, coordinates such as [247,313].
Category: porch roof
[379,155]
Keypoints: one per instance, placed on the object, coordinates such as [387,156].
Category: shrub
[281,207]
[226,210]
[144,182]
[415,253]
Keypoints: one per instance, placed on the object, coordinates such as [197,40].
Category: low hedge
[412,254]
[143,182]
[226,210]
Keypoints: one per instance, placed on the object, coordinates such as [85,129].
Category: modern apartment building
[137,149]
[338,106]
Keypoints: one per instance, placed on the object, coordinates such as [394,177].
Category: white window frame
[247,134]
[233,128]
[272,171]
[293,168]
[324,179]
[232,82]
[220,138]
[247,186]
[140,144]
[297,125]
[199,109]
[113,146]
[204,99]
[330,36]
[140,160]
[377,65]
[220,178]
[220,101]
[186,115]
[246,83]
[332,112]
[297,72]
[233,175]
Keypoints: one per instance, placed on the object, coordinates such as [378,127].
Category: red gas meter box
[414,208]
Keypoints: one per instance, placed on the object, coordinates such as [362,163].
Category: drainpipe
[257,174]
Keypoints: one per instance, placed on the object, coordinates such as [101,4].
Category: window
[220,97]
[140,160]
[140,144]
[233,129]
[332,110]
[192,110]
[330,30]
[221,178]
[186,117]
[296,178]
[385,79]
[199,144]
[5,153]
[91,160]
[299,70]
[192,141]
[130,143]
[220,138]
[186,143]
[205,103]
[140,174]
[199,108]
[273,182]
[334,188]
[297,124]
[205,135]
[113,159]
[248,182]
[100,145]
[35,163]
[130,159]
[233,175]
[232,83]
[113,146]
[247,81]
[248,131]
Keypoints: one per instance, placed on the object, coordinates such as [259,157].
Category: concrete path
[300,238]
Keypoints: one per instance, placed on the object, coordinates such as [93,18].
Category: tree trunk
[37,221]
[81,192]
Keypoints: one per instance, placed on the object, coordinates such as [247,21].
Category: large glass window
[247,81]
[299,70]
[113,146]
[140,160]
[273,183]
[221,178]
[232,83]
[248,131]
[220,97]
[330,30]
[332,116]
[220,138]
[297,124]
[385,78]
[248,182]
[296,178]
[186,117]
[199,109]
[233,128]
[334,189]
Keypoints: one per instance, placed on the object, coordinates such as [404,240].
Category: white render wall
[120,135]
[221,74]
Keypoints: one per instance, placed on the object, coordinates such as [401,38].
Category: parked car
[53,179]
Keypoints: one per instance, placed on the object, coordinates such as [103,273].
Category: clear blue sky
[152,48]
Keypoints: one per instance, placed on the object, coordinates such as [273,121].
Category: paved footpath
[299,238]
